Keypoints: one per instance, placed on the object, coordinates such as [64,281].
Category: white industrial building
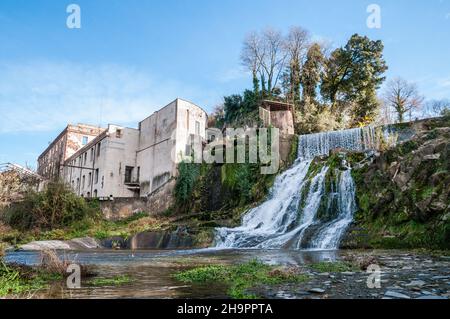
[125,162]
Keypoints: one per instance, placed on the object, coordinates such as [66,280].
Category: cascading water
[330,234]
[294,201]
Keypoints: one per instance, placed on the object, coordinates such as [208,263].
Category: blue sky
[132,57]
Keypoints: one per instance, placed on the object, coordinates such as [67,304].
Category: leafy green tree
[352,76]
[237,106]
[312,70]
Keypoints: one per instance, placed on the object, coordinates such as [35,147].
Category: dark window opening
[128,174]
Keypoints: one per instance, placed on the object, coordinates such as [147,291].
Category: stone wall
[157,202]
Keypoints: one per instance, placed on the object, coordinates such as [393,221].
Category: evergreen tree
[312,70]
[353,75]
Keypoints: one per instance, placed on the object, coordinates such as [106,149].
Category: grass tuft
[240,278]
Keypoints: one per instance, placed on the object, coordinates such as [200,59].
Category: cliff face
[403,193]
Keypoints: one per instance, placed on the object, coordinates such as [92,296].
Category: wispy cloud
[42,96]
[435,87]
[232,75]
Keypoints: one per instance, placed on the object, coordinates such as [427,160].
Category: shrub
[56,206]
[187,176]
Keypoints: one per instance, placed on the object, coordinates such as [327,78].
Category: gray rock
[416,283]
[74,244]
[439,277]
[324,274]
[432,157]
[316,290]
[394,294]
[407,268]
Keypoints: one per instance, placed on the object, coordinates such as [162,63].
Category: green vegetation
[116,281]
[187,176]
[56,206]
[88,227]
[333,266]
[240,278]
[21,280]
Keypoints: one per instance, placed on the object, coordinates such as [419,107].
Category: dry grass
[361,261]
[52,263]
[146,223]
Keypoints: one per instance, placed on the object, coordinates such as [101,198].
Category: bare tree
[403,97]
[274,58]
[252,56]
[296,47]
[438,107]
[264,54]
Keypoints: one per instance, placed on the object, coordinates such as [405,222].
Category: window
[92,154]
[197,128]
[90,179]
[138,174]
[128,174]
[84,181]
[95,193]
[96,176]
[85,140]
[118,133]
[187,120]
[98,149]
[85,158]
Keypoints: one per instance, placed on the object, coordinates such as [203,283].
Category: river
[405,273]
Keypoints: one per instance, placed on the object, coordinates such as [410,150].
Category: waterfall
[330,234]
[289,215]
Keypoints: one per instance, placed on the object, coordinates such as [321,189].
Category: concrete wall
[284,121]
[155,147]
[164,137]
[157,202]
[190,119]
[281,119]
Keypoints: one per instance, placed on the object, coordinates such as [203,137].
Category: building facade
[68,142]
[125,162]
[279,115]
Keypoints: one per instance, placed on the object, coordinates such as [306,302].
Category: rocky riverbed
[403,275]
